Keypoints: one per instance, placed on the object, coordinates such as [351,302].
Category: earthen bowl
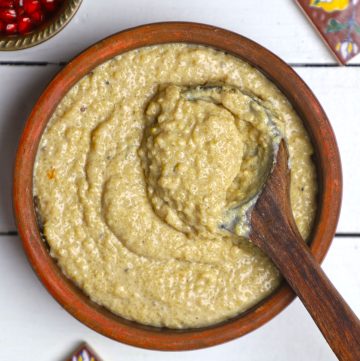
[65,292]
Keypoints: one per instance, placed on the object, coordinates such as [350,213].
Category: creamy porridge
[141,167]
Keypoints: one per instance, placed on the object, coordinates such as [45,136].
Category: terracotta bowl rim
[68,295]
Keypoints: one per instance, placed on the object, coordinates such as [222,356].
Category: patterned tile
[84,353]
[338,22]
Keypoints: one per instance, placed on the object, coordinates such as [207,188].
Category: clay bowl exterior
[45,31]
[73,299]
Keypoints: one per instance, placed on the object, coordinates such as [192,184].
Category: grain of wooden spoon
[273,229]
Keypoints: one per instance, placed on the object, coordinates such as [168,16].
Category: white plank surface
[278,25]
[20,86]
[34,327]
[337,89]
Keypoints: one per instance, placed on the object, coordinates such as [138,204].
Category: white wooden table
[32,325]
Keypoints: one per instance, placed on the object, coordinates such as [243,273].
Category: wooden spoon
[273,229]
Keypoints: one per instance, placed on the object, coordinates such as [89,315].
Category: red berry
[24,24]
[49,5]
[7,4]
[37,17]
[11,29]
[2,26]
[20,11]
[7,15]
[30,6]
[19,7]
[19,4]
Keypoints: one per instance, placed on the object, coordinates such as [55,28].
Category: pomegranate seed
[20,16]
[24,24]
[19,6]
[7,15]
[30,6]
[11,28]
[37,17]
[49,5]
[7,4]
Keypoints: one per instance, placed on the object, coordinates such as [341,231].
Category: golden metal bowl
[44,32]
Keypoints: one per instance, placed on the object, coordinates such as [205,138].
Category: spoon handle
[275,232]
[335,319]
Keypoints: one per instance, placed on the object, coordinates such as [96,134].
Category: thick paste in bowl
[136,173]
